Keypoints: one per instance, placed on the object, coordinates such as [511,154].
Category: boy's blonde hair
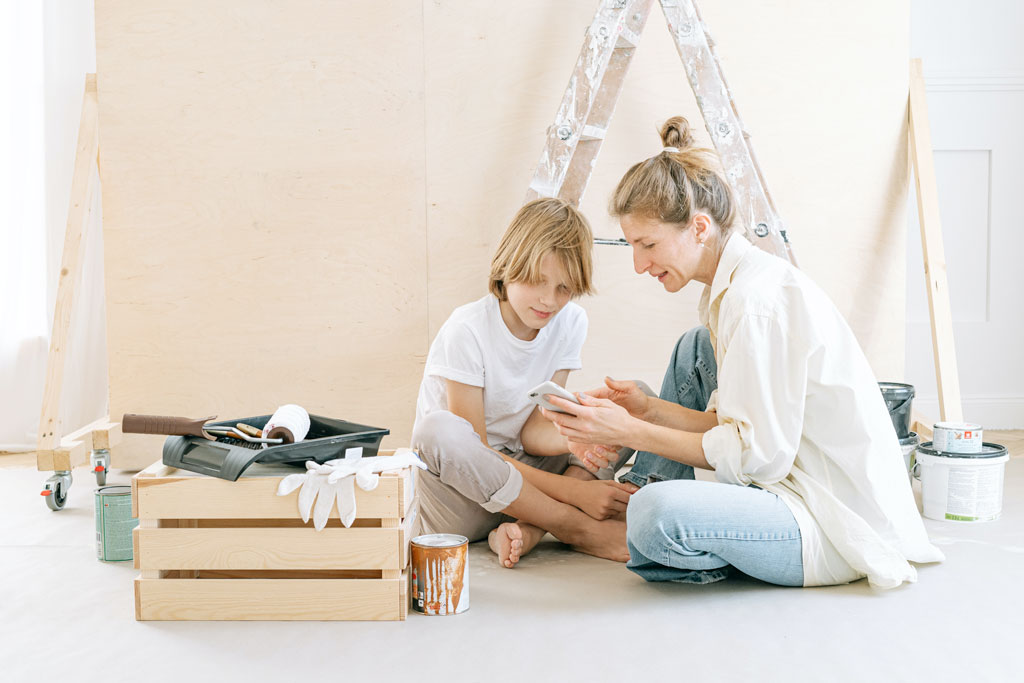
[543,226]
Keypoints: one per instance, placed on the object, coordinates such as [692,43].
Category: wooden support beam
[943,346]
[48,445]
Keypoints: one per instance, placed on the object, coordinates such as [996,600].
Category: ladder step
[627,39]
[593,133]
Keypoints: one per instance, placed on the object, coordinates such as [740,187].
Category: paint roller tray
[229,458]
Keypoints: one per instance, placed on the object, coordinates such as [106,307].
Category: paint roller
[289,424]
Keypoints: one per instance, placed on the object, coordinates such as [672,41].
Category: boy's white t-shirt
[475,347]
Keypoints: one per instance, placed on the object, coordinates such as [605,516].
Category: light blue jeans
[679,529]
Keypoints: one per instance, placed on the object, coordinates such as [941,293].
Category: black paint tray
[227,458]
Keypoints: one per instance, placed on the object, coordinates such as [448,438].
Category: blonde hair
[672,186]
[543,226]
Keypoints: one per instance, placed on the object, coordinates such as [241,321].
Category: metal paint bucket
[957,437]
[114,523]
[898,398]
[440,574]
[909,446]
[961,487]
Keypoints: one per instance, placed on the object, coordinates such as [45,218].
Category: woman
[773,394]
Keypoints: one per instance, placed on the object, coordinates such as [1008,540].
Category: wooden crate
[210,549]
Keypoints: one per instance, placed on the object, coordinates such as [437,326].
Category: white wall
[974,72]
[22,244]
[69,46]
[49,49]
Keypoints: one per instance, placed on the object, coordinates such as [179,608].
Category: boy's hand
[627,394]
[603,499]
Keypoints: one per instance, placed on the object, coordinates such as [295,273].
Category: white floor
[558,616]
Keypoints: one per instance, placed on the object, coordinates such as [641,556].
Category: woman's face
[673,256]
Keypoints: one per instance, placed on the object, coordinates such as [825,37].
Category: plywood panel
[297,195]
[821,87]
[263,196]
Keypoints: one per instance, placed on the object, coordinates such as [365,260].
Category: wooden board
[272,548]
[943,346]
[79,211]
[177,494]
[271,599]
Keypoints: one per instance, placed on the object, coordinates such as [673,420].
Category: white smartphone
[539,396]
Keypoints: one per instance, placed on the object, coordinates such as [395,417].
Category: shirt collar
[736,247]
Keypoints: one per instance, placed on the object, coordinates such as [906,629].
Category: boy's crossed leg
[469,484]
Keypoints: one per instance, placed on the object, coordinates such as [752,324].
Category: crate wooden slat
[271,599]
[210,549]
[178,494]
[272,548]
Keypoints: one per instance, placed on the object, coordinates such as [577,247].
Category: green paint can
[114,523]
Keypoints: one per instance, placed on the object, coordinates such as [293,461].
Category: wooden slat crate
[210,549]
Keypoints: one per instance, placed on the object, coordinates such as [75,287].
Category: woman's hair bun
[676,133]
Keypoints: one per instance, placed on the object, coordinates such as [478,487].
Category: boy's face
[535,305]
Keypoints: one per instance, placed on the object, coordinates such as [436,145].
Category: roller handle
[162,424]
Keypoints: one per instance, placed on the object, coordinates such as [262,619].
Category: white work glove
[335,480]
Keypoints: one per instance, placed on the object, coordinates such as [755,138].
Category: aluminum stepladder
[585,113]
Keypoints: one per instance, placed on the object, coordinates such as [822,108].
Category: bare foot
[507,543]
[605,539]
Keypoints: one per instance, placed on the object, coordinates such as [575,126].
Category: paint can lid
[988,450]
[440,541]
[959,426]
[115,490]
[897,390]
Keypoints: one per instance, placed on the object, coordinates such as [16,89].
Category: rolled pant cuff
[507,494]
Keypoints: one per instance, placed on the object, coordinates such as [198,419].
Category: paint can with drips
[440,574]
[961,487]
[114,523]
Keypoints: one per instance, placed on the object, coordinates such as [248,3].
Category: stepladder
[585,113]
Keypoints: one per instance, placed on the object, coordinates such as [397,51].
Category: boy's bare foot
[512,540]
[605,539]
[507,543]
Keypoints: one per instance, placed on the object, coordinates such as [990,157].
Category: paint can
[440,574]
[114,523]
[957,437]
[898,398]
[961,487]
[909,446]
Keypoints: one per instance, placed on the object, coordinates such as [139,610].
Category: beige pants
[467,485]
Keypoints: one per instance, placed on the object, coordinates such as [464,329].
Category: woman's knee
[692,372]
[646,513]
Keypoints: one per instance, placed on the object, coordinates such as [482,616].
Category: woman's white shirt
[800,415]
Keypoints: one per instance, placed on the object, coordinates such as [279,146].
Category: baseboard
[991,412]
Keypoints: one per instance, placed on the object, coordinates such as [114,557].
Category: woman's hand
[594,456]
[603,499]
[625,393]
[593,420]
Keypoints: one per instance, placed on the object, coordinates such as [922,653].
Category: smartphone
[538,395]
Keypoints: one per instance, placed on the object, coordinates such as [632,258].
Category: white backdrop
[47,50]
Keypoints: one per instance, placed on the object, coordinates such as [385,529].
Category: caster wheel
[101,476]
[55,492]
